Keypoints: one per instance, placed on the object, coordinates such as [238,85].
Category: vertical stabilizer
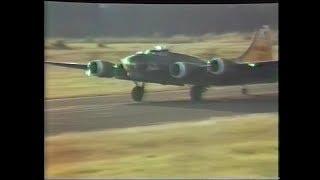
[260,49]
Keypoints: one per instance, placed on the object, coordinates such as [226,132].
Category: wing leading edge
[68,65]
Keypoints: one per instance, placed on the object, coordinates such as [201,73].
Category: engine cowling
[216,66]
[180,69]
[100,68]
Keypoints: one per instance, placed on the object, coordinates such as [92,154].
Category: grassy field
[62,82]
[242,146]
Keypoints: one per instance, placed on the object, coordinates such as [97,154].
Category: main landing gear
[137,92]
[244,90]
[196,93]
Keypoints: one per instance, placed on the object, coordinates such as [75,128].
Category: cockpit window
[158,50]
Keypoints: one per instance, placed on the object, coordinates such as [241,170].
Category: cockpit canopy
[157,50]
[160,48]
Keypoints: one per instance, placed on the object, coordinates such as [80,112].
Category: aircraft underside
[201,80]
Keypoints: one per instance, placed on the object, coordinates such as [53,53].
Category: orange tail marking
[260,48]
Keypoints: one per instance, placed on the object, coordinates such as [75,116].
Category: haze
[81,20]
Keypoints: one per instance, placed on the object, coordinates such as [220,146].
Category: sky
[82,20]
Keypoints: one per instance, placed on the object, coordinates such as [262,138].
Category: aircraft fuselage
[154,68]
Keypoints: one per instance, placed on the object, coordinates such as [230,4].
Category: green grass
[62,82]
[244,146]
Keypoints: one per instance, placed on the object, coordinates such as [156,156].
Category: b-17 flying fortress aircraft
[159,65]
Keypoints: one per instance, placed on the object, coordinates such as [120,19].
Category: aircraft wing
[93,68]
[68,65]
[257,62]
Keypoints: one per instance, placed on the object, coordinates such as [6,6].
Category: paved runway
[104,112]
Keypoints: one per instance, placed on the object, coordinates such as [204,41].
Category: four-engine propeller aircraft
[159,65]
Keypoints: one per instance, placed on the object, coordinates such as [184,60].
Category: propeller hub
[93,67]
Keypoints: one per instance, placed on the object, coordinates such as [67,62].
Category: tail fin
[260,49]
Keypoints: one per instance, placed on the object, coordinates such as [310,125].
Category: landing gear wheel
[196,93]
[137,93]
[244,91]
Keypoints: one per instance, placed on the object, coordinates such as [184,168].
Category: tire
[244,91]
[196,93]
[137,93]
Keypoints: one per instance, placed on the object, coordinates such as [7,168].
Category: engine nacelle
[100,68]
[180,69]
[216,66]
